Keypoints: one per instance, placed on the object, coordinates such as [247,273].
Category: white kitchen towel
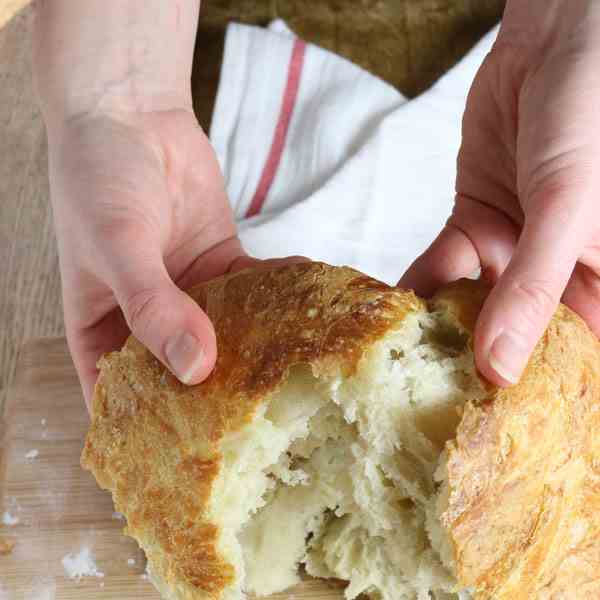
[323,159]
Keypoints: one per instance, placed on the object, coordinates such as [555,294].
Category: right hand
[526,208]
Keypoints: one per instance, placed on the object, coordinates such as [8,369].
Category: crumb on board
[33,453]
[6,546]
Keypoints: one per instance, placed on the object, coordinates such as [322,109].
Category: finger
[247,262]
[227,257]
[164,318]
[88,344]
[211,263]
[475,236]
[451,256]
[521,304]
[583,296]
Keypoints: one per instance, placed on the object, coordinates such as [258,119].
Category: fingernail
[185,355]
[508,357]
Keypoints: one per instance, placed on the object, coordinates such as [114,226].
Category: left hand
[141,214]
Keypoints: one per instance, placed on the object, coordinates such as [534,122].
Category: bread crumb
[43,422]
[117,516]
[6,546]
[131,562]
[32,454]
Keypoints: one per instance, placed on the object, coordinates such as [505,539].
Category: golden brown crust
[524,469]
[6,546]
[154,442]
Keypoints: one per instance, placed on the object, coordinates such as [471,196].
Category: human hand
[138,198]
[140,212]
[528,183]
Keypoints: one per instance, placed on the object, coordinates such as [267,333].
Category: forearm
[95,56]
[543,23]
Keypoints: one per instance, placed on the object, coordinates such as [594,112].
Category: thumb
[164,318]
[521,304]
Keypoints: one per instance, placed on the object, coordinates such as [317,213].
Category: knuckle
[536,301]
[589,279]
[458,262]
[554,188]
[141,309]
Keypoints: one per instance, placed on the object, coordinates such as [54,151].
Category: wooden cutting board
[59,506]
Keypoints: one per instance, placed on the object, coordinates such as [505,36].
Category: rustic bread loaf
[346,429]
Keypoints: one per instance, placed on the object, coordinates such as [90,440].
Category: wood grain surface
[60,509]
[407,42]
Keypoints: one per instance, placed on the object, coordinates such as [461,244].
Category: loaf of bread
[344,430]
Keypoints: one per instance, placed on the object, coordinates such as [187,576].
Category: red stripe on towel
[285,116]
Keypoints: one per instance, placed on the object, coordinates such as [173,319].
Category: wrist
[542,24]
[61,117]
[98,57]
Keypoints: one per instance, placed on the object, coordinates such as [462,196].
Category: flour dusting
[4,594]
[43,588]
[81,565]
[9,520]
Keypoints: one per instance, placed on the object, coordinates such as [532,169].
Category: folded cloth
[325,160]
